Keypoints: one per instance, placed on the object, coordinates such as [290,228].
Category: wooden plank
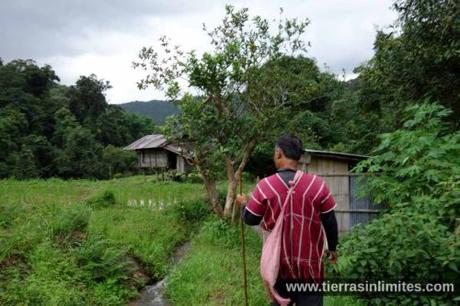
[343,221]
[364,211]
[180,164]
[305,159]
[345,174]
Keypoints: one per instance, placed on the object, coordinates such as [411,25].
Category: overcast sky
[80,37]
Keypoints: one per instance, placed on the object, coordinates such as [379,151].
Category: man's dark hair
[291,146]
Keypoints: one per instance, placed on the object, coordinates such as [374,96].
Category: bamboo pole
[243,249]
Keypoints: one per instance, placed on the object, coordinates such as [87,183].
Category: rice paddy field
[82,242]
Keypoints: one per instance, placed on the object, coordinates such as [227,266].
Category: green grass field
[87,242]
[90,242]
[212,273]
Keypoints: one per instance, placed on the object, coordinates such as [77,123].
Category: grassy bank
[211,274]
[90,242]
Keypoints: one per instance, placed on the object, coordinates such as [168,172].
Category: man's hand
[333,257]
[241,199]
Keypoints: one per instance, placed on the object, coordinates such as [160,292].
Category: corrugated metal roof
[159,141]
[148,142]
[337,155]
[155,141]
[174,149]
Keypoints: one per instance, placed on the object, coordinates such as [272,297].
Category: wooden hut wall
[153,158]
[180,165]
[338,185]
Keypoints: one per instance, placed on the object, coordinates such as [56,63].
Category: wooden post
[234,214]
[243,250]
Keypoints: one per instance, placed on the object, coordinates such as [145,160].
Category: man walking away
[307,217]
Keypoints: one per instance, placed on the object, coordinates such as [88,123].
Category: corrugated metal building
[334,168]
[155,152]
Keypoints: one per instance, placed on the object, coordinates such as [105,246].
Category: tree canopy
[256,81]
[241,89]
[48,129]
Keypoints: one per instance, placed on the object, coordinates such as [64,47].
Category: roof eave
[337,155]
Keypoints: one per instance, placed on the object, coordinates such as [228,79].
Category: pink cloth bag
[271,251]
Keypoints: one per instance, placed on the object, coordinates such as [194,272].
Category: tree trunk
[234,178]
[231,195]
[211,190]
[213,196]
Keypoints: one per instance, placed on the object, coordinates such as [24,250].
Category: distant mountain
[156,109]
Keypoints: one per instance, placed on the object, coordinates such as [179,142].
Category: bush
[192,178]
[421,159]
[8,214]
[191,212]
[117,161]
[103,261]
[69,221]
[217,231]
[106,199]
[417,240]
[400,246]
[54,278]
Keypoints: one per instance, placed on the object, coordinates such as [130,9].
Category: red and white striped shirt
[303,235]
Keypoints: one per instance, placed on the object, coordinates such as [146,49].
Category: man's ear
[278,153]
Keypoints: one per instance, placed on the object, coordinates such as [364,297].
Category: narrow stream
[154,294]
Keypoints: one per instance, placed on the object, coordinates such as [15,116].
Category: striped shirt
[303,238]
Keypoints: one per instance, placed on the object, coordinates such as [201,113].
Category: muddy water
[153,295]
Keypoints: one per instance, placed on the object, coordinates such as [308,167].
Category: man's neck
[288,165]
[286,169]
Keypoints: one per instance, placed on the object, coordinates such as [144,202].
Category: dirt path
[153,295]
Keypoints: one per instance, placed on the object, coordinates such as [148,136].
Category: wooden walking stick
[243,249]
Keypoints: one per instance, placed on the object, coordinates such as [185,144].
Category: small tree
[25,165]
[238,93]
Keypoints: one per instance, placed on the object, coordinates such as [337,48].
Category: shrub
[8,214]
[103,261]
[193,178]
[106,199]
[400,246]
[54,278]
[191,212]
[69,221]
[217,231]
[418,239]
[421,159]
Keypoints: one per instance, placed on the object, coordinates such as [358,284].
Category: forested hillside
[156,109]
[48,129]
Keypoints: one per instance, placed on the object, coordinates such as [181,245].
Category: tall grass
[212,273]
[80,242]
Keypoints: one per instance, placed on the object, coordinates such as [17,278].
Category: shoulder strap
[292,185]
[295,180]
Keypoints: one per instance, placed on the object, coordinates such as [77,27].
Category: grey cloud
[31,28]
[103,36]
